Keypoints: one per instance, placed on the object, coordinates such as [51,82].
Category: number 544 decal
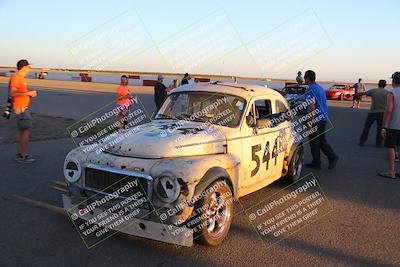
[267,156]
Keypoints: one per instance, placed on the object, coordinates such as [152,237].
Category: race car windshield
[341,87]
[207,107]
[295,90]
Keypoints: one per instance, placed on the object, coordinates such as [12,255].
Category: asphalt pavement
[362,229]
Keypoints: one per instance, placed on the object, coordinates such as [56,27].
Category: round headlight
[72,170]
[167,188]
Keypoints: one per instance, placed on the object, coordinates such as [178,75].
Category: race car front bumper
[133,226]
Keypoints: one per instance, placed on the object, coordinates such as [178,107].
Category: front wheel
[295,166]
[214,214]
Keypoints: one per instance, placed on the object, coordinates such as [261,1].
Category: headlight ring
[72,170]
[167,188]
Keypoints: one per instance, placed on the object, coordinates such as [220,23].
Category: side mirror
[250,120]
[264,123]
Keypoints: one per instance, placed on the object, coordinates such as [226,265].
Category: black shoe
[360,144]
[18,156]
[313,166]
[333,162]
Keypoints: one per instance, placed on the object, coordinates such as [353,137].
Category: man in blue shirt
[319,117]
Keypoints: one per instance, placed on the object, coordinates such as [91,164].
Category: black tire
[295,166]
[217,204]
[340,97]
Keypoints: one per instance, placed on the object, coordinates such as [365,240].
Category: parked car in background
[295,95]
[340,92]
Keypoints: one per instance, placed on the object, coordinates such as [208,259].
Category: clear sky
[359,38]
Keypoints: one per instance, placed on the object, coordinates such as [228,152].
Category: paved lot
[76,103]
[362,230]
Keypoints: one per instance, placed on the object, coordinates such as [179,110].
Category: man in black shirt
[186,79]
[160,92]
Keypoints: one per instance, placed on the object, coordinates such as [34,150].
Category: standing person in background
[299,78]
[20,100]
[160,92]
[359,89]
[391,126]
[378,105]
[317,138]
[186,79]
[123,102]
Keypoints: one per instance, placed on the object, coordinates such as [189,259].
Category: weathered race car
[208,145]
[340,92]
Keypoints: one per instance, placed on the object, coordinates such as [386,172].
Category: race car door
[260,160]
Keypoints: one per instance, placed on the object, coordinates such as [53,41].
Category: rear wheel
[214,213]
[340,97]
[295,166]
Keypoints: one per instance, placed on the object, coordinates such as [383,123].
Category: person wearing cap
[186,79]
[378,105]
[391,126]
[20,100]
[299,78]
[160,92]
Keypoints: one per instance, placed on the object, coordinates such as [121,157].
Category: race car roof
[245,91]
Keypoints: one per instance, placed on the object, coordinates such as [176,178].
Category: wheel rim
[298,165]
[218,214]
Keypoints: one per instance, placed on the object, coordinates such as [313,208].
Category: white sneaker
[26,159]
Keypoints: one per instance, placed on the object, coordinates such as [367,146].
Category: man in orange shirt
[20,99]
[123,101]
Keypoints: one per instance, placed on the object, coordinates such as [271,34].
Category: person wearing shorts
[123,102]
[391,127]
[20,101]
[359,89]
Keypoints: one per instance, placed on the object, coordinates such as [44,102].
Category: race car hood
[333,91]
[167,139]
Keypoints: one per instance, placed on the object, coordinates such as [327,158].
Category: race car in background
[340,92]
[295,95]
